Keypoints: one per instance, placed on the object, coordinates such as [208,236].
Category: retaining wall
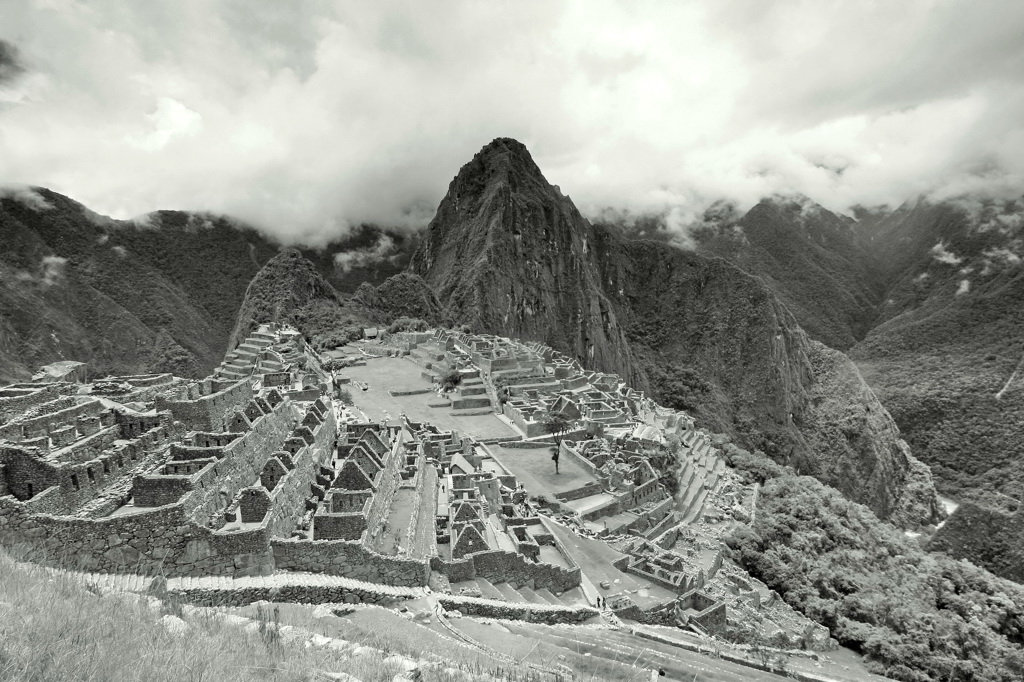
[499,566]
[351,592]
[290,493]
[531,613]
[349,559]
[161,541]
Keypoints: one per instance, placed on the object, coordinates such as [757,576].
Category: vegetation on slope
[988,537]
[915,615]
[158,292]
[53,629]
[67,293]
[949,340]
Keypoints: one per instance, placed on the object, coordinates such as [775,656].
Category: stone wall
[413,391]
[592,488]
[63,411]
[208,491]
[161,541]
[500,566]
[209,412]
[351,592]
[422,535]
[80,482]
[532,613]
[349,559]
[703,610]
[25,474]
[339,526]
[387,481]
[15,401]
[289,496]
[91,446]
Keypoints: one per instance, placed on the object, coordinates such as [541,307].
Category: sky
[305,118]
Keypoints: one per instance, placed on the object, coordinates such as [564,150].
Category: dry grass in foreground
[53,628]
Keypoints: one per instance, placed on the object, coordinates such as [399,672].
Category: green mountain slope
[950,337]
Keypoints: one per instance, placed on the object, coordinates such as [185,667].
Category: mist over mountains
[279,118]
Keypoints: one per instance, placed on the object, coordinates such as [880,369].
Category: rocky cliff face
[858,447]
[508,254]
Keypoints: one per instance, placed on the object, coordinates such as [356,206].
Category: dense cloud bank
[307,117]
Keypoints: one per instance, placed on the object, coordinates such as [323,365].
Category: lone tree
[557,424]
[450,379]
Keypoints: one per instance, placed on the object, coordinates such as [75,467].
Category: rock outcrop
[508,254]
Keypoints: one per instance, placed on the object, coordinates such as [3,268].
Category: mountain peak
[506,151]
[501,163]
[285,284]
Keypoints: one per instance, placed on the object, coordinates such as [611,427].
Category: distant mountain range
[159,293]
[927,299]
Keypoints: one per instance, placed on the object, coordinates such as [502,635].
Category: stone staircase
[242,361]
[426,352]
[522,594]
[471,394]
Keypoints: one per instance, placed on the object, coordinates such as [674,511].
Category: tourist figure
[554,458]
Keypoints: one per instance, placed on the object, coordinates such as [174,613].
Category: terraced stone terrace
[257,483]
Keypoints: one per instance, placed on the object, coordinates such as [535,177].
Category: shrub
[450,379]
[408,324]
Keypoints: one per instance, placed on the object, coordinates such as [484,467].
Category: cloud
[1003,254]
[308,117]
[944,255]
[52,270]
[26,195]
[358,258]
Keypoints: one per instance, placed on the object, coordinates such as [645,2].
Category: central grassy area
[382,375]
[535,469]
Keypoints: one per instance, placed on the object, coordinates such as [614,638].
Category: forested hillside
[916,616]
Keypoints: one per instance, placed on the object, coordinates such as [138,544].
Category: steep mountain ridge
[507,252]
[813,259]
[510,255]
